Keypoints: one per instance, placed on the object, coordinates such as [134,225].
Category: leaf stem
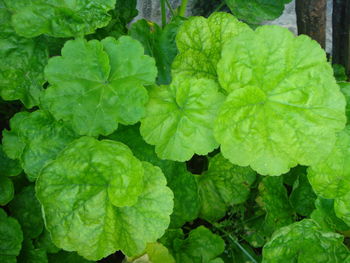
[182,9]
[163,11]
[218,8]
[170,8]
[238,245]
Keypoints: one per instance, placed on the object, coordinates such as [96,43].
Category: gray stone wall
[150,9]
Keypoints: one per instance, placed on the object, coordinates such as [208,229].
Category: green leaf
[180,181]
[67,257]
[342,208]
[57,18]
[230,184]
[22,64]
[345,89]
[98,84]
[30,254]
[302,197]
[274,200]
[200,43]
[257,11]
[79,192]
[179,118]
[284,106]
[154,253]
[200,246]
[8,167]
[339,72]
[304,242]
[44,242]
[158,43]
[11,238]
[325,216]
[330,178]
[26,209]
[6,190]
[35,139]
[186,199]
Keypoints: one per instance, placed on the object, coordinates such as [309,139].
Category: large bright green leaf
[304,242]
[256,11]
[21,65]
[200,42]
[179,118]
[284,106]
[158,43]
[26,209]
[35,139]
[59,18]
[230,183]
[330,178]
[11,237]
[201,246]
[80,193]
[98,84]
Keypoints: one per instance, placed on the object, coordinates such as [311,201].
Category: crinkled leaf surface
[6,190]
[11,238]
[180,181]
[179,118]
[200,42]
[302,197]
[231,184]
[8,167]
[200,246]
[59,18]
[79,192]
[342,208]
[256,11]
[26,209]
[325,216]
[304,242]
[35,139]
[284,106]
[96,84]
[22,64]
[330,178]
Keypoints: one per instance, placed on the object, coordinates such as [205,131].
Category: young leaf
[26,209]
[21,65]
[230,183]
[154,253]
[57,18]
[35,139]
[96,84]
[257,11]
[200,246]
[6,190]
[284,107]
[11,238]
[304,242]
[302,197]
[94,204]
[200,43]
[8,167]
[179,118]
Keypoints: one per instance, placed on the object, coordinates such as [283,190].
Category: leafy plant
[198,141]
